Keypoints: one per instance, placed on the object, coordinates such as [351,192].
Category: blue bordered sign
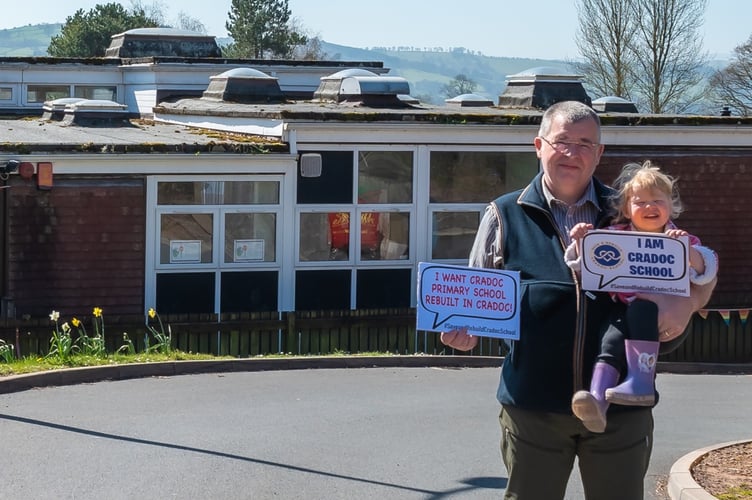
[632,261]
[486,302]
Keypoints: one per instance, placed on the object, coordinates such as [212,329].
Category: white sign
[185,251]
[631,261]
[249,250]
[486,302]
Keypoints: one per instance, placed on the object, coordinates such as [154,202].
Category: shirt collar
[588,196]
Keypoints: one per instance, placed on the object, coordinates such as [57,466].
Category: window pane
[218,193]
[42,93]
[335,185]
[453,234]
[250,237]
[384,235]
[385,177]
[249,291]
[185,293]
[100,93]
[326,289]
[478,177]
[384,288]
[324,236]
[6,93]
[186,238]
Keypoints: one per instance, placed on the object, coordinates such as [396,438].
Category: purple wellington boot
[590,407]
[638,388]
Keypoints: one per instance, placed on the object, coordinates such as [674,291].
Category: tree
[88,34]
[186,22]
[604,42]
[312,49]
[732,85]
[155,12]
[461,84]
[668,68]
[648,51]
[261,29]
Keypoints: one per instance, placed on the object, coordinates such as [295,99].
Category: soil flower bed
[726,473]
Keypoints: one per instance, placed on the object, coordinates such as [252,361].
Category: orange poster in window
[369,229]
[339,225]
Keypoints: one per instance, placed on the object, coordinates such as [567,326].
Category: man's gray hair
[571,112]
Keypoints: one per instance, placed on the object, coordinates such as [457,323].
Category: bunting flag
[726,315]
[743,313]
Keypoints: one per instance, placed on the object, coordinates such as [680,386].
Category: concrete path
[394,432]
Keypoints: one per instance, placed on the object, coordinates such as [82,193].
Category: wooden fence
[327,332]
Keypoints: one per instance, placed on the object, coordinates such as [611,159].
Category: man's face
[569,154]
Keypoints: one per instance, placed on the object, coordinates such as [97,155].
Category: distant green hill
[27,40]
[427,72]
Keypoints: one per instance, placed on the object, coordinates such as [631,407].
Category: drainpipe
[6,169]
[4,249]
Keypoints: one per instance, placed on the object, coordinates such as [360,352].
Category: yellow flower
[54,316]
[97,312]
[152,312]
[75,322]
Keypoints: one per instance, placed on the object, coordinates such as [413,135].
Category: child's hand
[675,233]
[579,231]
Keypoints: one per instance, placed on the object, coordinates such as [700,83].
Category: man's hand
[674,312]
[459,339]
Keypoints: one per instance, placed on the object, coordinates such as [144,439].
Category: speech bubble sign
[633,261]
[483,301]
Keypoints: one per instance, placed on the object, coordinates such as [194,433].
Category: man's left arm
[674,312]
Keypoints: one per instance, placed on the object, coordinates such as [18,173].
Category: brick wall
[80,243]
[715,188]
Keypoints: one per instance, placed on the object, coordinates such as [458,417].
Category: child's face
[648,210]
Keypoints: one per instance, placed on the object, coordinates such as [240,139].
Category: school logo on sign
[607,255]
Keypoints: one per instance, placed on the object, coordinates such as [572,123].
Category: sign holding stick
[484,301]
[632,261]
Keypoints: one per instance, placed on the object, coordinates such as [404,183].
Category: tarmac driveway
[386,433]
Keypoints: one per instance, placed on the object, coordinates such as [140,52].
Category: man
[527,231]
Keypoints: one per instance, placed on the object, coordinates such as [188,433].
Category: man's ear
[599,153]
[538,143]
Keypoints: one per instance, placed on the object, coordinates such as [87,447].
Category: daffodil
[152,312]
[75,322]
[66,327]
[54,316]
[97,312]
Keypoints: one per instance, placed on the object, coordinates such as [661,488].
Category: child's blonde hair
[644,175]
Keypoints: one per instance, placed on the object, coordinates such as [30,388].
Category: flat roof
[34,135]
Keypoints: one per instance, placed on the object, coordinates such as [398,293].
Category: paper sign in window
[249,250]
[185,251]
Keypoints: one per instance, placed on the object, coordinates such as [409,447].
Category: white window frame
[280,264]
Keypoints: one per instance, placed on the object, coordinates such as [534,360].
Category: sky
[541,29]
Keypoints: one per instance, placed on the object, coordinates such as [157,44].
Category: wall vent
[310,165]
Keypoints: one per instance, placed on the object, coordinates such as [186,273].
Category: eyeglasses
[571,147]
